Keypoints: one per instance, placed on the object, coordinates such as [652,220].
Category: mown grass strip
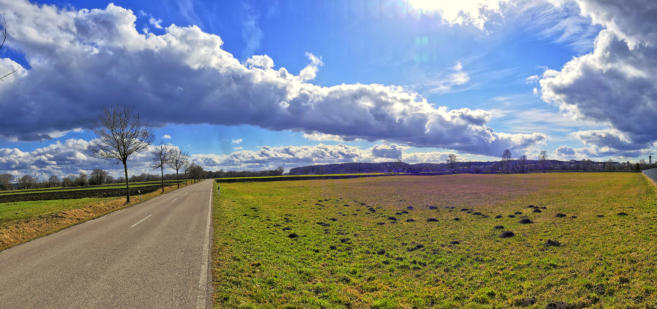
[23,221]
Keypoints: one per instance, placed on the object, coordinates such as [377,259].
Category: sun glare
[458,12]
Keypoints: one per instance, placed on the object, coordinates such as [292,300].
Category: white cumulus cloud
[85,60]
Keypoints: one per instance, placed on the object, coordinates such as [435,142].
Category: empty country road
[152,255]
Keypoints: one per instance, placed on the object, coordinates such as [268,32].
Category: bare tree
[523,163]
[121,135]
[451,160]
[53,181]
[26,182]
[160,159]
[506,160]
[177,161]
[5,181]
[82,180]
[195,171]
[98,177]
[542,158]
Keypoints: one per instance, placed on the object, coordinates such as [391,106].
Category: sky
[248,85]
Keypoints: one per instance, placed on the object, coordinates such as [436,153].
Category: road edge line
[201,299]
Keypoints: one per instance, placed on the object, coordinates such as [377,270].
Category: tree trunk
[162,177]
[177,181]
[127,187]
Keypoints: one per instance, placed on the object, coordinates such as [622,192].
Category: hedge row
[72,194]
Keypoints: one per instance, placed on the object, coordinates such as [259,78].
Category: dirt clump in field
[293,235]
[537,210]
[525,302]
[410,220]
[498,227]
[507,234]
[454,242]
[417,247]
[392,218]
[600,216]
[518,212]
[552,243]
[323,224]
[345,240]
[432,207]
[380,223]
[498,216]
[465,209]
[432,220]
[622,214]
[511,216]
[525,221]
[560,305]
[560,215]
[410,207]
[457,219]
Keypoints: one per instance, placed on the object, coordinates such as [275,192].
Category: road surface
[152,255]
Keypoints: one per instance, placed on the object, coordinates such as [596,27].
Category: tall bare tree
[160,159]
[3,34]
[177,161]
[121,134]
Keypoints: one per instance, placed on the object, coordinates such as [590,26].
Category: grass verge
[24,221]
[405,242]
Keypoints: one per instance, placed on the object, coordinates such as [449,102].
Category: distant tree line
[507,164]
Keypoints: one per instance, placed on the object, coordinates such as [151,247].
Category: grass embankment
[23,221]
[403,242]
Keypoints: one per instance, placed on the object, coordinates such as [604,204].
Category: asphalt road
[152,255]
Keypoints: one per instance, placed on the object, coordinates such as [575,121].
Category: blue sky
[503,61]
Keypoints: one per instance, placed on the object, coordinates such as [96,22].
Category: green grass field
[432,241]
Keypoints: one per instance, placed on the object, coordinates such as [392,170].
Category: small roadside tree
[121,134]
[177,161]
[160,159]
